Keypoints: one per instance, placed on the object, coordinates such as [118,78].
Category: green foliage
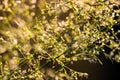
[39,39]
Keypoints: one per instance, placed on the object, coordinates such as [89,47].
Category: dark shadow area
[109,70]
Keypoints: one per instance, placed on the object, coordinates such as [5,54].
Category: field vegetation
[39,39]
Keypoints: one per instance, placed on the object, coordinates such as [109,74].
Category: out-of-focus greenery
[38,38]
